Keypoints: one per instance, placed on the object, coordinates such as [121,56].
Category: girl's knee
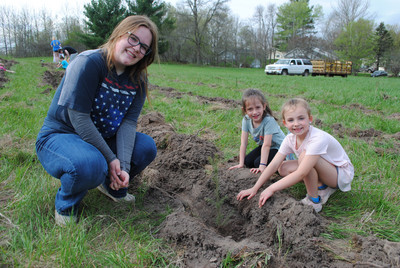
[287,167]
[145,149]
[282,171]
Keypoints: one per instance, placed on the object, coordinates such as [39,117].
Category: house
[314,53]
[278,55]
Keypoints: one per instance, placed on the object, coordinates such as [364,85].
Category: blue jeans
[80,166]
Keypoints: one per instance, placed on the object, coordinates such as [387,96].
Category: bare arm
[243,146]
[265,176]
[301,172]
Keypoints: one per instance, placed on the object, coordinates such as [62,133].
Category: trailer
[331,67]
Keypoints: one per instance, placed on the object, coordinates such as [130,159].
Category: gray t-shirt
[268,126]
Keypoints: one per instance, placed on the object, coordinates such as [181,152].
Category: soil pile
[208,224]
[7,65]
[51,77]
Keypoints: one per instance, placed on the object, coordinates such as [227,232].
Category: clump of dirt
[357,106]
[208,223]
[395,116]
[7,65]
[51,77]
[172,93]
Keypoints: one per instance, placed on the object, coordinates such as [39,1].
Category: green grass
[110,235]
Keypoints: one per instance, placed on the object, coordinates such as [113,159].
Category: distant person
[259,122]
[3,68]
[63,63]
[322,163]
[89,136]
[56,45]
[69,53]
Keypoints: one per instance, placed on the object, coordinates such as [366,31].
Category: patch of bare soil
[51,77]
[208,224]
[371,136]
[173,93]
[7,65]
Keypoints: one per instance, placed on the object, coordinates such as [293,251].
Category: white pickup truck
[290,66]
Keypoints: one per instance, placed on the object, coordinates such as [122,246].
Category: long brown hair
[137,72]
[255,93]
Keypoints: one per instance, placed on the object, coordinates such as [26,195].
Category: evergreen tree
[383,42]
[157,11]
[296,20]
[102,17]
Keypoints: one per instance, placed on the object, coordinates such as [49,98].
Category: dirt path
[7,65]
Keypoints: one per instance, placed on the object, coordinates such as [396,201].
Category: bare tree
[351,10]
[271,17]
[5,30]
[262,34]
[202,12]
[221,39]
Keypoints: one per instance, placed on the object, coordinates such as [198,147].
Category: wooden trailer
[331,67]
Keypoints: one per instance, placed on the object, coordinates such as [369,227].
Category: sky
[387,11]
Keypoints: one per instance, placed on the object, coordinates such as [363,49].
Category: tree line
[205,32]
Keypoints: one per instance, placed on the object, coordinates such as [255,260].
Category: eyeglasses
[133,40]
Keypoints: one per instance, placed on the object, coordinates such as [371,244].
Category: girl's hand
[264,196]
[249,192]
[258,170]
[237,166]
[124,177]
[119,179]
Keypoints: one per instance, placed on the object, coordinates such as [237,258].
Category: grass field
[366,108]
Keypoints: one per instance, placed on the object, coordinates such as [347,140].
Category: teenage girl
[89,136]
[322,163]
[261,124]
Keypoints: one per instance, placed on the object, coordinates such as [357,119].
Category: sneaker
[129,198]
[307,201]
[325,194]
[63,220]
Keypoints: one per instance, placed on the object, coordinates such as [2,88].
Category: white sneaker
[129,198]
[307,201]
[63,220]
[325,194]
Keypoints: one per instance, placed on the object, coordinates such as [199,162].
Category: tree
[350,11]
[102,17]
[271,21]
[201,13]
[158,13]
[355,42]
[393,56]
[220,38]
[296,20]
[383,42]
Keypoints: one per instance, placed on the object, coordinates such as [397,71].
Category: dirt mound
[208,224]
[7,65]
[51,78]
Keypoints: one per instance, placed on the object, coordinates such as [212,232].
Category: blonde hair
[257,94]
[137,72]
[293,104]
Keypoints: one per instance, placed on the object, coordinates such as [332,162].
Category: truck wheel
[284,72]
[306,73]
